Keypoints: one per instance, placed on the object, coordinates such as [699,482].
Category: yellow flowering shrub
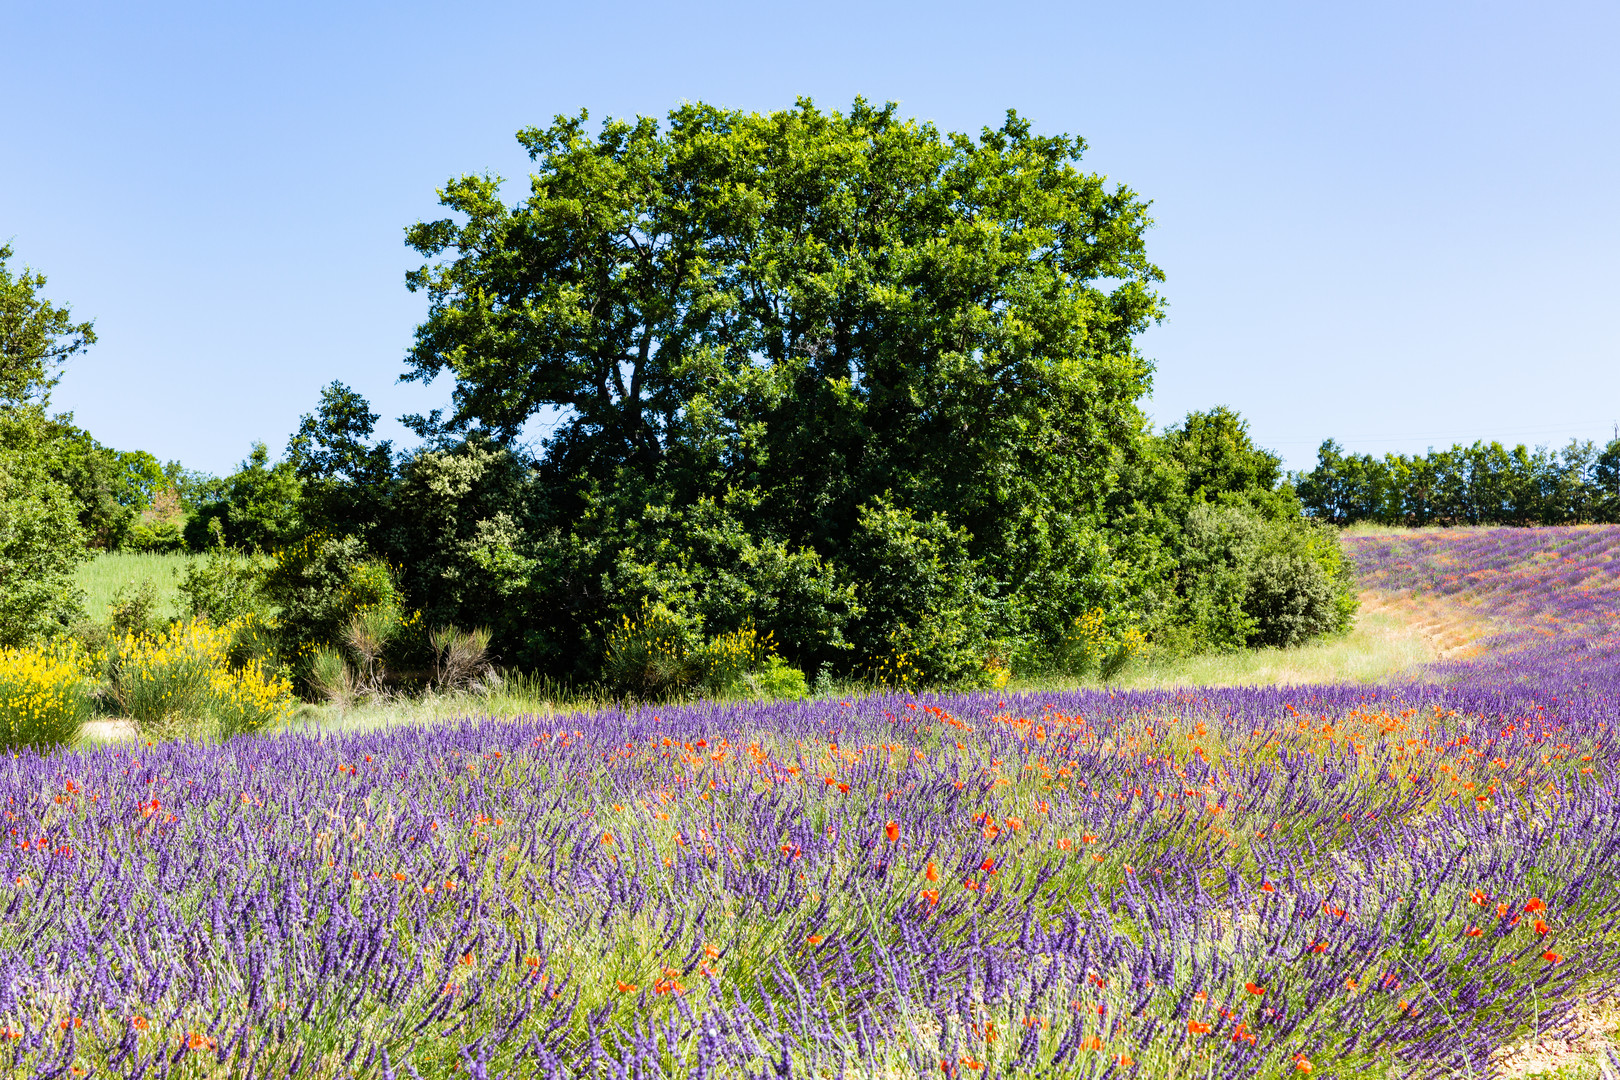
[658,653]
[182,681]
[722,664]
[1094,645]
[44,694]
[648,654]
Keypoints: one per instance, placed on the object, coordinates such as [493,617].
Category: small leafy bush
[225,586]
[133,609]
[181,682]
[45,695]
[777,680]
[157,538]
[1250,581]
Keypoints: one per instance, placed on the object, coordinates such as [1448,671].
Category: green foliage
[1482,484]
[1097,645]
[347,481]
[370,630]
[1216,461]
[327,593]
[41,540]
[224,586]
[36,336]
[309,585]
[1252,581]
[112,488]
[778,680]
[155,538]
[789,316]
[723,664]
[134,608]
[257,507]
[45,695]
[923,595]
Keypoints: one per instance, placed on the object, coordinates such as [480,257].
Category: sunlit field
[1401,880]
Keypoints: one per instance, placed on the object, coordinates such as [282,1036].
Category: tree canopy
[884,374]
[36,336]
[826,310]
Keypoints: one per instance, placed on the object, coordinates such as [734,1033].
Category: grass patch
[1384,644]
[109,571]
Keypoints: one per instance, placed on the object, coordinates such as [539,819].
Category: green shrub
[1249,581]
[45,695]
[134,608]
[777,680]
[224,586]
[154,538]
[307,582]
[258,506]
[925,620]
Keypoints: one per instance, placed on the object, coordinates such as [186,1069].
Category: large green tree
[41,540]
[852,317]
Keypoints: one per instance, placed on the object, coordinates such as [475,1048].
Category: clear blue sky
[1392,223]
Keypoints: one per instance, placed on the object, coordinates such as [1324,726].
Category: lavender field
[1553,593]
[1237,882]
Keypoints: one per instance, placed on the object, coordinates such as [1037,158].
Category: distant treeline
[1482,484]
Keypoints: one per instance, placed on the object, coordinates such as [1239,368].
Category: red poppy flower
[891,832]
[1254,988]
